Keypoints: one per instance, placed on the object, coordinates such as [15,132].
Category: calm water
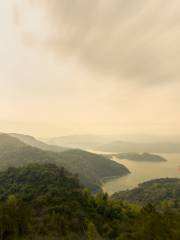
[143,171]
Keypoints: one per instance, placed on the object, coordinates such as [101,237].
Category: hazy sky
[90,66]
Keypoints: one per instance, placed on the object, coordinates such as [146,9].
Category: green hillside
[161,192]
[91,168]
[40,183]
[44,202]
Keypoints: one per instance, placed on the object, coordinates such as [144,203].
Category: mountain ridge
[151,147]
[90,167]
[32,141]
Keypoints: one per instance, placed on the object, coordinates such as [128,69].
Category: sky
[90,66]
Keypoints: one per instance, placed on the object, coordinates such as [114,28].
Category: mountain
[43,201]
[82,141]
[91,168]
[165,191]
[155,147]
[30,140]
[113,143]
[9,143]
[141,157]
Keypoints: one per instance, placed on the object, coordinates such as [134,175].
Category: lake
[144,171]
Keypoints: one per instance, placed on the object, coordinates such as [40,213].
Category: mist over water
[144,171]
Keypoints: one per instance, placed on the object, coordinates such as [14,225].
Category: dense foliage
[91,168]
[43,201]
[161,192]
[46,202]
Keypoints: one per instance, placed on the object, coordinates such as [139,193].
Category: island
[141,157]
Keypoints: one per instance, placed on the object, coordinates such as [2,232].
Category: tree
[92,233]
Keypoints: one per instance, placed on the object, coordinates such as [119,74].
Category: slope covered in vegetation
[46,202]
[165,191]
[91,168]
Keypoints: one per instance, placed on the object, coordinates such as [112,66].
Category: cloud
[131,40]
[90,66]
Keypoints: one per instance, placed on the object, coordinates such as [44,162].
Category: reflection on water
[144,171]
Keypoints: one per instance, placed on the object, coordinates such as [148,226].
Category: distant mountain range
[91,168]
[81,141]
[32,141]
[90,141]
[151,147]
[119,143]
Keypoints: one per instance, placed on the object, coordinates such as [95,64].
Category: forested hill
[91,168]
[165,191]
[40,183]
[42,201]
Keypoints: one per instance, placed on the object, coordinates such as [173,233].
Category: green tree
[92,233]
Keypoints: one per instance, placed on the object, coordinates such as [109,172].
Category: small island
[141,157]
